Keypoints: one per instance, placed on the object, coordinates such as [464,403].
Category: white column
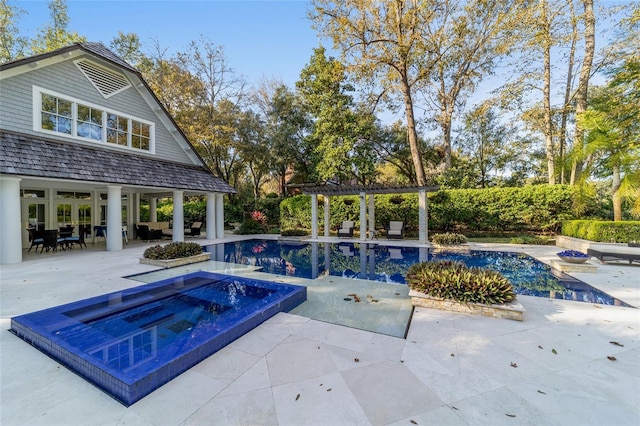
[372,216]
[423,217]
[219,216]
[314,216]
[363,216]
[10,226]
[114,218]
[327,216]
[210,224]
[136,208]
[178,215]
[153,203]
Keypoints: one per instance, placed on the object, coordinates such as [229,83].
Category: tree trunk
[615,187]
[562,142]
[548,124]
[411,129]
[583,84]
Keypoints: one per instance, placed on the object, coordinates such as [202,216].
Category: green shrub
[175,250]
[602,231]
[448,239]
[532,239]
[250,226]
[455,281]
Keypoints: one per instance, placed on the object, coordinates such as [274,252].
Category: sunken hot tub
[131,342]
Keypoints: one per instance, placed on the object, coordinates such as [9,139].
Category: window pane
[112,121]
[49,103]
[64,125]
[84,113]
[146,130]
[64,108]
[48,121]
[122,138]
[123,124]
[96,116]
[112,136]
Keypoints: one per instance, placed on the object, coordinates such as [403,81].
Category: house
[82,140]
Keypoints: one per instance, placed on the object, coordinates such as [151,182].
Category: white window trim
[37,122]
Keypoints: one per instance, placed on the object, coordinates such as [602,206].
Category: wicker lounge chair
[36,237]
[396,230]
[193,230]
[346,231]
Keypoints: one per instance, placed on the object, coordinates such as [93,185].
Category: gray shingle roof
[26,155]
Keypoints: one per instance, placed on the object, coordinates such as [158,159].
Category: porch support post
[136,208]
[314,216]
[210,224]
[372,216]
[178,215]
[363,216]
[219,215]
[10,227]
[423,216]
[327,216]
[114,218]
[153,203]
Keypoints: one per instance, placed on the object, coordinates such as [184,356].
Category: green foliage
[176,250]
[602,231]
[453,280]
[532,239]
[540,208]
[250,226]
[448,238]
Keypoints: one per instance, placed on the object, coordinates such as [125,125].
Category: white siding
[65,78]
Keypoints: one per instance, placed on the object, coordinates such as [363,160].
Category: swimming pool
[131,342]
[389,264]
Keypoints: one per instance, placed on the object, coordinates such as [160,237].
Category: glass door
[64,214]
[84,219]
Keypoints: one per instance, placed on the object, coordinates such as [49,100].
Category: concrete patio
[557,367]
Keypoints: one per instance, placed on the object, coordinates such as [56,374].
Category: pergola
[365,193]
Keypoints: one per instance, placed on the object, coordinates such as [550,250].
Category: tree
[485,141]
[55,35]
[254,150]
[12,45]
[340,133]
[287,126]
[469,36]
[385,41]
[128,47]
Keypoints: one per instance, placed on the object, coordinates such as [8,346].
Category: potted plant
[452,286]
[573,256]
[174,254]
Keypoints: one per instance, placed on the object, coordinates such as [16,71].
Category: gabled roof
[26,155]
[101,51]
[97,49]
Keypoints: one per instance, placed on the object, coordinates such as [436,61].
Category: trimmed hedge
[602,231]
[539,208]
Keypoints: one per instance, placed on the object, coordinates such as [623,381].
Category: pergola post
[363,216]
[327,216]
[314,216]
[372,216]
[423,216]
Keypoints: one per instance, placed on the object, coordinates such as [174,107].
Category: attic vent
[107,82]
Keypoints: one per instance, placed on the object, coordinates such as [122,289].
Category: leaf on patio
[553,351]
[297,397]
[617,344]
[510,415]
[544,393]
[514,365]
[611,358]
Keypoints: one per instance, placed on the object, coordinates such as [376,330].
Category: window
[89,122]
[140,135]
[60,114]
[56,114]
[117,129]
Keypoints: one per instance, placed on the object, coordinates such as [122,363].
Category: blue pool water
[131,342]
[389,264]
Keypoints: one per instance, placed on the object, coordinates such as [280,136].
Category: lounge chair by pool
[606,253]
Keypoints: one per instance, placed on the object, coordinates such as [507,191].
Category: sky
[261,39]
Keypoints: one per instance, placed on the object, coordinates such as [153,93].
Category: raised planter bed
[172,263]
[512,311]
